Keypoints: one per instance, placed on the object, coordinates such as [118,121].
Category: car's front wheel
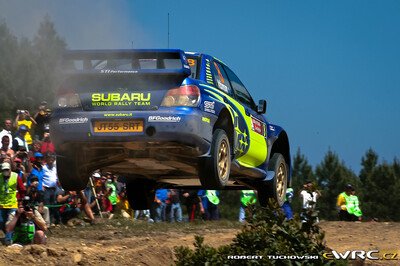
[214,170]
[276,188]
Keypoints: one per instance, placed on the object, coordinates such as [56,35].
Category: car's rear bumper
[183,126]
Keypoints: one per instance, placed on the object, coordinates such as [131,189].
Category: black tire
[214,170]
[140,194]
[71,177]
[276,188]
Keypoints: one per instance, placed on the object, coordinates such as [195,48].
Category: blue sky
[330,70]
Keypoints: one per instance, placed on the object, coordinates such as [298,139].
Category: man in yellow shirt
[348,205]
[24,118]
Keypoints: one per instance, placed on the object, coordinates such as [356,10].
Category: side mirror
[262,107]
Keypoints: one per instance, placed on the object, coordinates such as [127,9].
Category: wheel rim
[223,160]
[281,181]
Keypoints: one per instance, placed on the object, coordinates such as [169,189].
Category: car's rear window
[123,64]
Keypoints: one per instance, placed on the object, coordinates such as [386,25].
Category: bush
[266,233]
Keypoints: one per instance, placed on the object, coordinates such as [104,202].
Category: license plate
[122,126]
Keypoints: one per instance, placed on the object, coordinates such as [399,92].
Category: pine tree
[369,161]
[49,48]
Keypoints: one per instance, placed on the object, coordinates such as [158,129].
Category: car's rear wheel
[214,170]
[71,176]
[140,194]
[276,188]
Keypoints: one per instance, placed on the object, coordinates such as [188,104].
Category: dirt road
[120,242]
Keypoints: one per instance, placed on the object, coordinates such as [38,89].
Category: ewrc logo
[78,120]
[157,118]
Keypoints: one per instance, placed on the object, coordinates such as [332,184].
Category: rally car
[165,118]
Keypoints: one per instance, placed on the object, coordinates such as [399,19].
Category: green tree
[381,193]
[49,47]
[369,161]
[8,52]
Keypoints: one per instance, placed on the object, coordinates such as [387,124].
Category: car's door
[256,153]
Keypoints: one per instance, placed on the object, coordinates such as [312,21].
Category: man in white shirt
[7,131]
[50,185]
[309,195]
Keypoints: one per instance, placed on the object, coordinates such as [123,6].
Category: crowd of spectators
[32,199]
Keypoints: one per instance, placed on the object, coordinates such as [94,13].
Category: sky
[329,70]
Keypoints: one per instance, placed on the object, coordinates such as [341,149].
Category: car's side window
[241,93]
[220,77]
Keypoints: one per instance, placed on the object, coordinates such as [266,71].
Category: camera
[27,204]
[21,112]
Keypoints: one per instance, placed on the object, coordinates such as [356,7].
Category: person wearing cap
[348,205]
[24,118]
[19,139]
[7,132]
[8,197]
[37,170]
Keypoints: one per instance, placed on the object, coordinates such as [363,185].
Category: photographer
[37,199]
[42,118]
[24,118]
[27,224]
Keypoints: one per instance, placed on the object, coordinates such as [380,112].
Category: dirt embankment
[126,243]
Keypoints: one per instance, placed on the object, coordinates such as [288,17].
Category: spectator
[123,205]
[160,204]
[209,201]
[191,200]
[248,197]
[24,118]
[5,144]
[286,207]
[22,154]
[20,169]
[19,139]
[36,146]
[111,191]
[47,144]
[42,118]
[50,185]
[27,224]
[37,170]
[348,205]
[7,132]
[36,198]
[21,190]
[74,202]
[8,197]
[176,209]
[309,195]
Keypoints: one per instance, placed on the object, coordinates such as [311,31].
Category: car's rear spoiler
[147,61]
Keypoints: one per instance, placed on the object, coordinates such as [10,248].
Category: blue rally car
[165,118]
